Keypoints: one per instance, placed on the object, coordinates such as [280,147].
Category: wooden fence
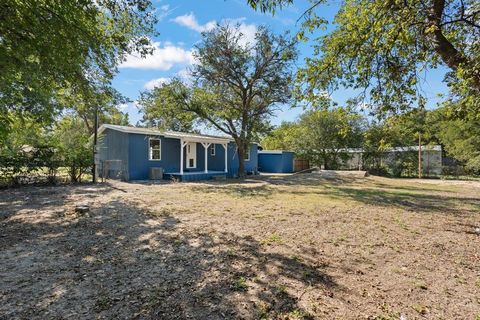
[300,164]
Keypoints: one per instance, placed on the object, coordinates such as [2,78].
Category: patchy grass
[274,238]
[240,284]
[274,247]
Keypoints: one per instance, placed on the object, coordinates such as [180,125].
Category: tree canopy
[160,108]
[53,53]
[321,135]
[384,48]
[236,85]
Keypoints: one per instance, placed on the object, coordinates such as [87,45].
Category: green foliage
[25,151]
[160,108]
[236,85]
[242,82]
[273,238]
[71,139]
[281,138]
[461,140]
[403,164]
[323,133]
[376,139]
[384,48]
[398,131]
[32,151]
[240,284]
[54,54]
[104,102]
[268,5]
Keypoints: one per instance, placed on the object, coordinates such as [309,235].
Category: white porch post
[181,156]
[225,146]
[205,146]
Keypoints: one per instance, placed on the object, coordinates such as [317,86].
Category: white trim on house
[225,146]
[150,149]
[206,146]
[191,155]
[212,149]
[247,153]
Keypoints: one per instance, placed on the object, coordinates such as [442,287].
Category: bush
[41,164]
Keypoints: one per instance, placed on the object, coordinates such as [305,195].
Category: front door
[191,155]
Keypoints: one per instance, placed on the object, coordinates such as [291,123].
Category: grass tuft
[240,284]
[274,238]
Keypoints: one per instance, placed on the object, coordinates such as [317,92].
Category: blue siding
[287,162]
[251,166]
[276,162]
[113,145]
[217,162]
[132,148]
[139,164]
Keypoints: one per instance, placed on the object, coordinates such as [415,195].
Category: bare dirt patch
[279,247]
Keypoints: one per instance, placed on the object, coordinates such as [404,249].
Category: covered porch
[196,175]
[194,164]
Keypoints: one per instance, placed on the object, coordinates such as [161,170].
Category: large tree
[160,109]
[322,134]
[237,85]
[51,50]
[282,137]
[384,47]
[460,138]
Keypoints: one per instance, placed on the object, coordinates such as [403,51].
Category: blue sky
[180,27]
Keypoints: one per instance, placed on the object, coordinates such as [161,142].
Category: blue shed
[132,153]
[275,161]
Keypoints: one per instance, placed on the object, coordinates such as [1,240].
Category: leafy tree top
[384,47]
[51,50]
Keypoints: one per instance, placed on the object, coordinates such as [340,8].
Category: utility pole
[94,149]
[419,155]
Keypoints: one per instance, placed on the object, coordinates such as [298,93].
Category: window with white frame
[212,149]
[247,154]
[154,150]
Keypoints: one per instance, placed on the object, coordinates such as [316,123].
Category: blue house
[132,153]
[275,161]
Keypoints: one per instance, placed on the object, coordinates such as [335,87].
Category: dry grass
[276,247]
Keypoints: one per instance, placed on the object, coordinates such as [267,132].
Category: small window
[247,154]
[212,149]
[191,163]
[154,149]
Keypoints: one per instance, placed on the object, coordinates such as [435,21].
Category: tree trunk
[241,160]
[442,46]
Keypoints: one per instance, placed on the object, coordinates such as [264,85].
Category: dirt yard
[277,247]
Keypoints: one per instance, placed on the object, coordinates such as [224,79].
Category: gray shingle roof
[166,133]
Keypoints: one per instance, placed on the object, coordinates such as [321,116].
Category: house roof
[167,133]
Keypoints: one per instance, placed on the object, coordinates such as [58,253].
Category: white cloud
[164,11]
[155,83]
[163,58]
[121,107]
[133,111]
[189,21]
[248,31]
[184,73]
